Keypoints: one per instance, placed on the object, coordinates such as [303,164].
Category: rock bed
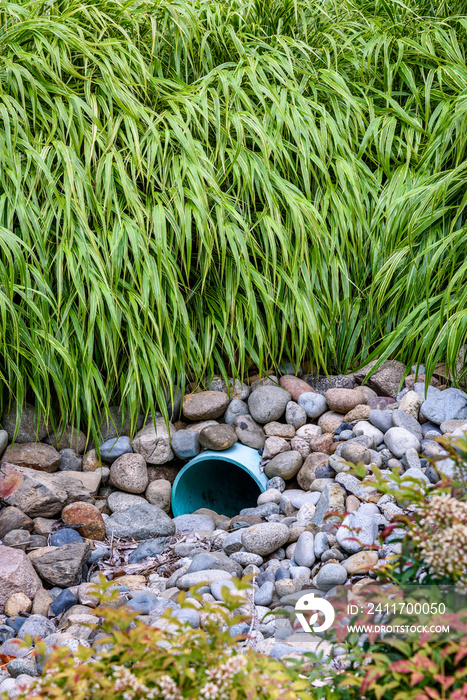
[68,516]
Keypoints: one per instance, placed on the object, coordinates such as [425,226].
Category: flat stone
[276,429]
[344,400]
[17,538]
[362,489]
[33,455]
[414,473]
[332,501]
[29,430]
[449,426]
[153,441]
[295,386]
[42,602]
[295,415]
[450,404]
[63,602]
[201,577]
[358,529]
[12,518]
[381,419]
[61,566]
[236,408]
[249,432]
[142,522]
[322,444]
[205,405]
[129,473]
[314,404]
[286,465]
[321,544]
[370,431]
[16,575]
[115,447]
[185,444]
[148,548]
[247,558]
[158,493]
[218,437]
[265,538]
[268,403]
[331,575]
[86,514]
[298,498]
[399,440]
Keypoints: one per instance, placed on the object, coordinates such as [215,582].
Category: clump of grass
[190,186]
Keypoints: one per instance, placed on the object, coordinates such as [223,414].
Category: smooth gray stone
[304,552]
[450,404]
[402,419]
[113,448]
[381,419]
[321,544]
[185,444]
[148,548]
[236,408]
[265,594]
[331,575]
[314,404]
[188,615]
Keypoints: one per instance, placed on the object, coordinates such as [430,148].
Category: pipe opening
[215,483]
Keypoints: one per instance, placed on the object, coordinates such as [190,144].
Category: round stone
[185,444]
[19,539]
[111,449]
[307,473]
[309,431]
[344,400]
[360,412]
[285,465]
[194,522]
[295,386]
[331,575]
[330,421]
[70,438]
[17,603]
[218,437]
[380,419]
[401,419]
[236,408]
[314,404]
[268,403]
[264,538]
[295,415]
[274,446]
[205,405]
[355,453]
[249,432]
[360,563]
[158,493]
[63,536]
[366,428]
[129,473]
[119,501]
[399,440]
[86,514]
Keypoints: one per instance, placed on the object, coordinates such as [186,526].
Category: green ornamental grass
[188,186]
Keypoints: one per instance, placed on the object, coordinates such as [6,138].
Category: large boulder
[17,575]
[441,406]
[153,441]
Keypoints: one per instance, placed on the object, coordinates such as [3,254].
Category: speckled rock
[386,380]
[119,500]
[70,438]
[129,473]
[344,400]
[295,415]
[158,493]
[185,444]
[360,412]
[249,432]
[274,446]
[142,522]
[153,441]
[355,453]
[330,421]
[218,437]
[307,473]
[265,538]
[285,465]
[205,405]
[268,403]
[86,514]
[360,563]
[236,408]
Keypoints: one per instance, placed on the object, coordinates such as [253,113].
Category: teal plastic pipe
[224,481]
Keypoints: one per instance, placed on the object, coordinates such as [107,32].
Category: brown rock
[295,386]
[205,405]
[352,503]
[274,446]
[275,429]
[12,518]
[158,493]
[44,526]
[93,526]
[360,563]
[61,566]
[91,461]
[248,519]
[132,581]
[330,421]
[249,432]
[307,473]
[218,437]
[200,425]
[69,438]
[355,453]
[16,575]
[218,519]
[322,443]
[386,380]
[343,400]
[90,481]
[42,602]
[285,465]
[360,412]
[34,455]
[17,603]
[153,441]
[129,473]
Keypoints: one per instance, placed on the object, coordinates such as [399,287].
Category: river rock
[142,522]
[129,473]
[268,403]
[304,552]
[331,575]
[411,403]
[330,505]
[111,449]
[381,419]
[236,388]
[359,413]
[61,566]
[369,430]
[344,400]
[197,578]
[321,383]
[307,473]
[386,380]
[274,446]
[249,432]
[295,386]
[194,522]
[358,529]
[236,408]
[205,405]
[148,548]
[355,453]
[17,575]
[285,465]
[86,514]
[399,440]
[314,404]
[185,444]
[218,437]
[402,419]
[153,441]
[295,415]
[119,501]
[34,455]
[360,563]
[158,493]
[450,404]
[265,538]
[29,430]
